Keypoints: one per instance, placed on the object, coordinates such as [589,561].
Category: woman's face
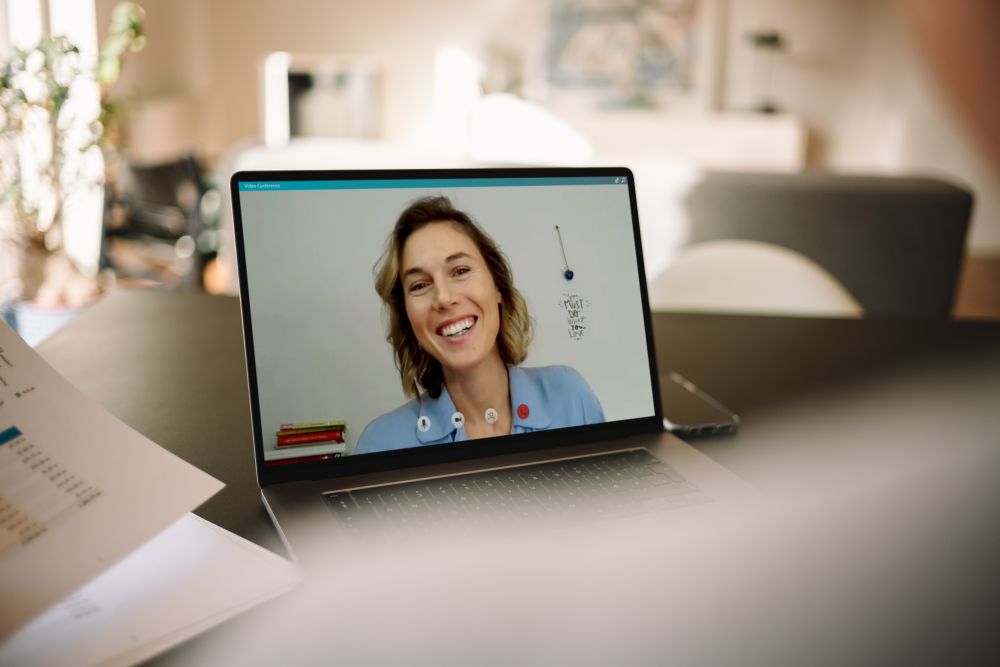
[451,299]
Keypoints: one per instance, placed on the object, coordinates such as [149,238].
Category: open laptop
[345,429]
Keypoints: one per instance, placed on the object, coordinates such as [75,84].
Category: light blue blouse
[552,396]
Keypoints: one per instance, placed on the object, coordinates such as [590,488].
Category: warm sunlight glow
[276,121]
[78,21]
[456,90]
[505,128]
[24,23]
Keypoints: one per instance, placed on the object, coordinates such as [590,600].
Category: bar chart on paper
[76,494]
[36,490]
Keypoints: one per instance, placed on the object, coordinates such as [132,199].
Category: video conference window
[393,314]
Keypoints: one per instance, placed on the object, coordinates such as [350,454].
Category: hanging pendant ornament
[568,273]
[491,416]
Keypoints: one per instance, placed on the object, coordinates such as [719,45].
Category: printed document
[79,489]
[187,579]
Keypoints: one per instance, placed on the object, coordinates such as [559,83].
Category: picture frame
[635,54]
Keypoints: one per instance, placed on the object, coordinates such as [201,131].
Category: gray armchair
[895,243]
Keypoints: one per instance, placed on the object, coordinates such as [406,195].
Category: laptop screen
[428,311]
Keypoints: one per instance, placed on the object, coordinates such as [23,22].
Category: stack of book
[315,441]
[296,435]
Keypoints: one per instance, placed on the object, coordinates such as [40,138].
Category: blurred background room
[791,156]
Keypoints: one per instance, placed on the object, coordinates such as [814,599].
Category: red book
[333,435]
[288,429]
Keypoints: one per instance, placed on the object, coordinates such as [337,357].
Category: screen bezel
[411,457]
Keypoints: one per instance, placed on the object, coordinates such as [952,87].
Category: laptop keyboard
[606,485]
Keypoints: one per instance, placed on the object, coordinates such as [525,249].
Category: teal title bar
[268,186]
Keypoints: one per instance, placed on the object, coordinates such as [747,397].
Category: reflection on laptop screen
[391,314]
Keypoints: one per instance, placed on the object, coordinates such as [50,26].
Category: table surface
[171,365]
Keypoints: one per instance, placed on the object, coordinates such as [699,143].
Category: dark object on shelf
[767,39]
[767,44]
[155,228]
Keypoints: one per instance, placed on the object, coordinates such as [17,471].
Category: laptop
[426,345]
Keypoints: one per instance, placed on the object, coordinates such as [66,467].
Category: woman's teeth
[458,328]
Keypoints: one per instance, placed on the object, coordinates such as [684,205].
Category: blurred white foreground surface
[185,580]
[878,547]
[896,569]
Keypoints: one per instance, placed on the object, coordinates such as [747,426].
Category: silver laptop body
[334,410]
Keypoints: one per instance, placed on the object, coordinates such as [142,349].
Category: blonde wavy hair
[416,367]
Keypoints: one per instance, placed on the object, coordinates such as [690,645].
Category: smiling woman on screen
[460,329]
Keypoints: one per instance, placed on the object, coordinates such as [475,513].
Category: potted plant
[56,118]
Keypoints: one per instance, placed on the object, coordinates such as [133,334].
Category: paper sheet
[187,579]
[79,489]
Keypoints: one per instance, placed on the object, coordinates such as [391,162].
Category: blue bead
[568,274]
